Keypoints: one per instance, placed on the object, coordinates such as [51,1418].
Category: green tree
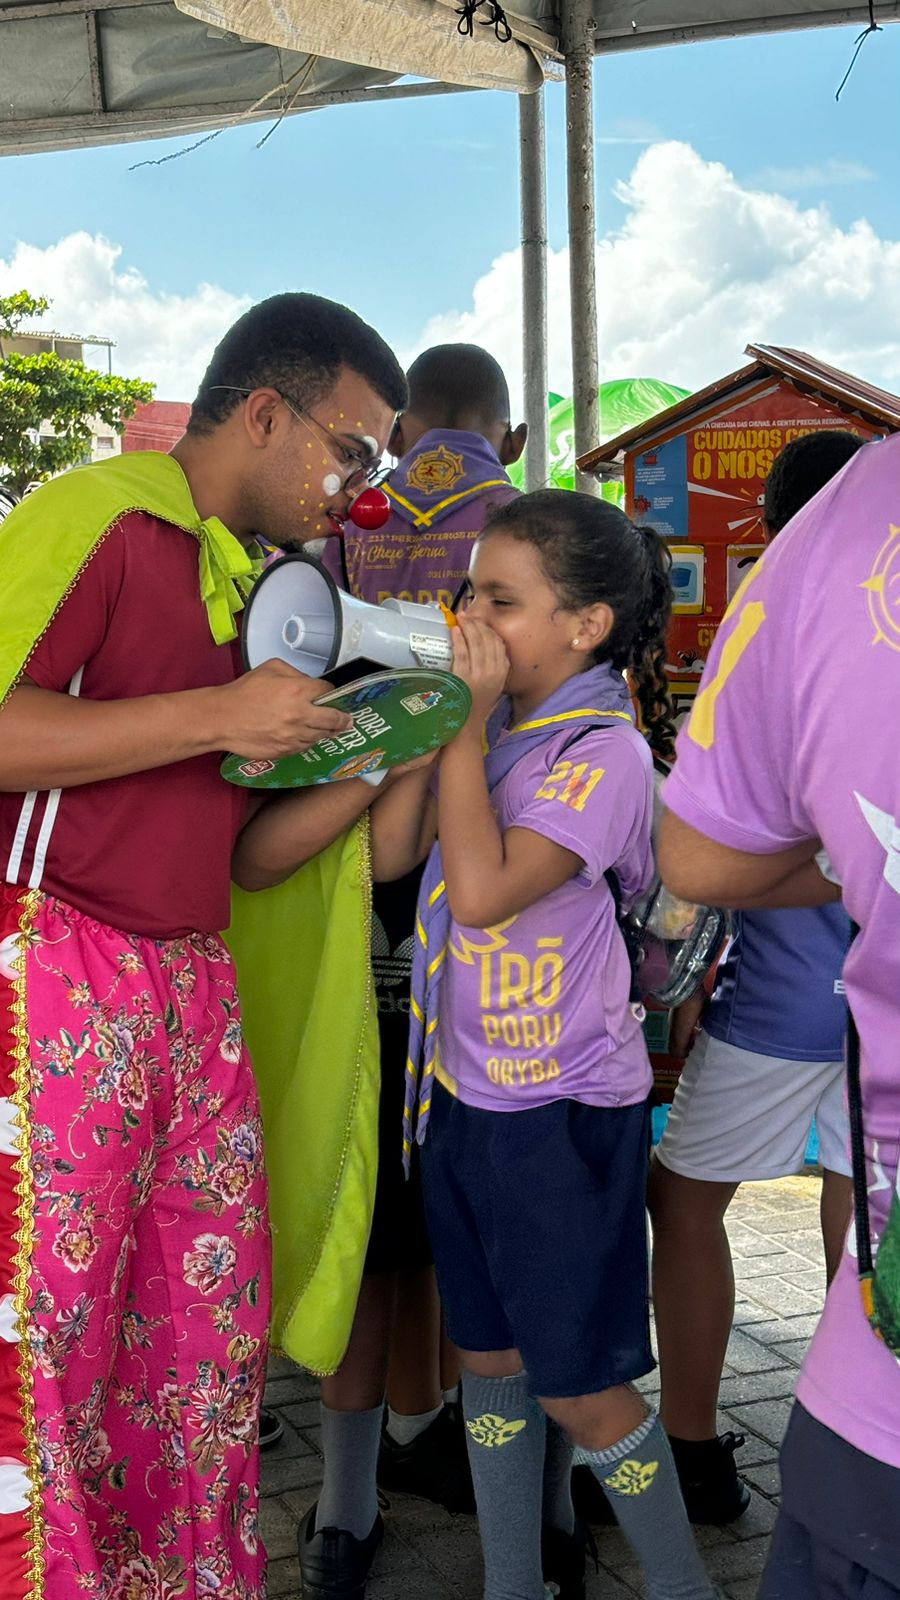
[43,391]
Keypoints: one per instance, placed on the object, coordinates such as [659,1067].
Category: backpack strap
[631,937]
[858,1157]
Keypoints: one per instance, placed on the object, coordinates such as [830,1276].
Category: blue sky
[399,208]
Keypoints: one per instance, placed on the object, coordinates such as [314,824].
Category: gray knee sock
[639,1477]
[505,1436]
[558,1511]
[350,1441]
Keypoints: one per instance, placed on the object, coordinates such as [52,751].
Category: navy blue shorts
[538,1227]
[838,1532]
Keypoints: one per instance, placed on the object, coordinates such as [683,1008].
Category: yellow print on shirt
[571,782]
[882,591]
[702,726]
[520,997]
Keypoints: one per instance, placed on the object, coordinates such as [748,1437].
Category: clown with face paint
[136,1236]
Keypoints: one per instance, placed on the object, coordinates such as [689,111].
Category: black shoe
[591,1504]
[713,1492]
[334,1565]
[271,1428]
[435,1466]
[564,1558]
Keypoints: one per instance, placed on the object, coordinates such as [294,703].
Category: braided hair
[592,554]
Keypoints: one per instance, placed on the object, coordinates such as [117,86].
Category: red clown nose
[370,510]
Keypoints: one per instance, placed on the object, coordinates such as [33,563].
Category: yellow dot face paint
[449,616]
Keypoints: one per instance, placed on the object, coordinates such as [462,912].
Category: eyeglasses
[359,472]
[361,476]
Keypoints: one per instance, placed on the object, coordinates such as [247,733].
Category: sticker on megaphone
[397,717]
[297,614]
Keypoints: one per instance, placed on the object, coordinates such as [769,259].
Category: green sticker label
[397,716]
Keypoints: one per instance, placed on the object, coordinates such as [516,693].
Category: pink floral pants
[134,1275]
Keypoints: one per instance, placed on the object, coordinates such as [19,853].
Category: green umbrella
[624,402]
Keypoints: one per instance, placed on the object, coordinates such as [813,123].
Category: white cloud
[701,265]
[166,338]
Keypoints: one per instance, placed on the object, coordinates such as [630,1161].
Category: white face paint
[15,1485]
[331,484]
[314,548]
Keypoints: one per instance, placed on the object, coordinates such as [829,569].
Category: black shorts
[838,1532]
[399,1236]
[538,1224]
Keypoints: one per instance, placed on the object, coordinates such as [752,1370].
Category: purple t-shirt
[441,493]
[537,1009]
[794,735]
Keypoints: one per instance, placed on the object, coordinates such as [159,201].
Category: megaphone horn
[297,614]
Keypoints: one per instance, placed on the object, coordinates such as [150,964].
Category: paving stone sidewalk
[429,1555]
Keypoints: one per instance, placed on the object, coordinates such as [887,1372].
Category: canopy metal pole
[533,180]
[578,45]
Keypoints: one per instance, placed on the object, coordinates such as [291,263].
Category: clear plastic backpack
[671,943]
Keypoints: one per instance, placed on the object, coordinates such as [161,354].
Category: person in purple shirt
[454,443]
[769,1060]
[528,1066]
[792,747]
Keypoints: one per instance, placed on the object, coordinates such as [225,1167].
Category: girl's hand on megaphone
[270,712]
[480,659]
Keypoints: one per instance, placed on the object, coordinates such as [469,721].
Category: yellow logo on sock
[632,1477]
[490,1430]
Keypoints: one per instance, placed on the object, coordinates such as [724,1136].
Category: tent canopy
[81,72]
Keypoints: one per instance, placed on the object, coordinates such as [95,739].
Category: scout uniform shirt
[537,1008]
[440,494]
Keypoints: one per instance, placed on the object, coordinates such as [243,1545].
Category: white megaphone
[296,613]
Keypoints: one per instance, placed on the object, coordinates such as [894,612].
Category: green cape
[296,944]
[50,536]
[302,952]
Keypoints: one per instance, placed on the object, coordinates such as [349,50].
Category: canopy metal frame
[92,105]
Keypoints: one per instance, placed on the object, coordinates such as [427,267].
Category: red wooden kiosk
[696,473]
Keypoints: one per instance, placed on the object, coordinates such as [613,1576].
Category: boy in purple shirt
[454,443]
[792,743]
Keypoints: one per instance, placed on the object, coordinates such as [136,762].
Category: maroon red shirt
[149,853]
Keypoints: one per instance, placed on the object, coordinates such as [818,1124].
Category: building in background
[156,425]
[105,442]
[697,473]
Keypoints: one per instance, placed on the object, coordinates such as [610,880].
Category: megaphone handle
[376,777]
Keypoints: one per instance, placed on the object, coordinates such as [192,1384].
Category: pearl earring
[576,642]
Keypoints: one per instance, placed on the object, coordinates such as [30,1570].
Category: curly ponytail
[592,553]
[648,662]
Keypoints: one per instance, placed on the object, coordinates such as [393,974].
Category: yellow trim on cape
[424,519]
[303,957]
[24,1240]
[48,539]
